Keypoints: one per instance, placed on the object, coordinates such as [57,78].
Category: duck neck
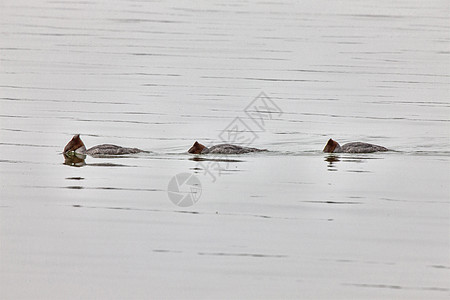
[81,150]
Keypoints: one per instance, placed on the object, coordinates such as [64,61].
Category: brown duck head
[75,144]
[332,146]
[197,148]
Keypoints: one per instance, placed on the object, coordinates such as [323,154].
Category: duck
[198,148]
[77,146]
[355,147]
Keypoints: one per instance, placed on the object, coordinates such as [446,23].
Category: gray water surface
[292,222]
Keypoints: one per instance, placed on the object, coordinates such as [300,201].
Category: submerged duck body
[354,147]
[198,148]
[76,145]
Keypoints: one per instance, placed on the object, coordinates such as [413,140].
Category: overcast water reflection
[286,76]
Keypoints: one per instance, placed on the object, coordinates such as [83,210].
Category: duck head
[197,148]
[332,146]
[75,144]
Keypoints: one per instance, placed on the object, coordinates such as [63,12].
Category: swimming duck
[198,148]
[354,147]
[76,145]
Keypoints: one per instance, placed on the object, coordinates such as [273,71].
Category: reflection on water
[332,159]
[218,159]
[74,178]
[160,74]
[74,159]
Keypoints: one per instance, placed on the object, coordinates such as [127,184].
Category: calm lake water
[289,223]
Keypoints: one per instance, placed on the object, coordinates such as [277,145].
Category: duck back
[230,149]
[358,147]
